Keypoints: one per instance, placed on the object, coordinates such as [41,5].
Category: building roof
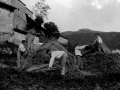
[29,10]
[22,2]
[25,6]
[20,31]
[7,6]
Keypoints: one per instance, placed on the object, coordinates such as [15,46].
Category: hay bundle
[102,63]
[40,57]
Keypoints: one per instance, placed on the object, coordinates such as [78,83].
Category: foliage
[38,24]
[50,28]
[41,9]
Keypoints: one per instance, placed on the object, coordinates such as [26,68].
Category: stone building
[20,13]
[63,40]
[13,15]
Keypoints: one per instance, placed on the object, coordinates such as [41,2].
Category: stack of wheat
[102,63]
[40,57]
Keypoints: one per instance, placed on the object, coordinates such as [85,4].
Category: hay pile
[40,57]
[102,63]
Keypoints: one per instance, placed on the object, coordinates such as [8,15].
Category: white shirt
[78,50]
[40,44]
[36,41]
[54,55]
[22,47]
[99,39]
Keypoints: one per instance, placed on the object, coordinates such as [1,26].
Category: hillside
[85,36]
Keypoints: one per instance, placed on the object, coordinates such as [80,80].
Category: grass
[13,80]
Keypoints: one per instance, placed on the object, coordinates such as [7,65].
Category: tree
[38,24]
[41,9]
[35,24]
[50,29]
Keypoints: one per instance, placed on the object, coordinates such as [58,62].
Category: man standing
[36,43]
[98,39]
[100,45]
[78,55]
[29,41]
[20,53]
[58,55]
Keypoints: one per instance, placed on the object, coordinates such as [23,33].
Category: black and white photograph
[59,44]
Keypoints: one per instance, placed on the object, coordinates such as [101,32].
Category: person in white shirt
[100,45]
[58,55]
[78,55]
[20,53]
[29,41]
[98,39]
[36,43]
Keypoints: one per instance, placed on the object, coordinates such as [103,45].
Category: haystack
[39,59]
[102,63]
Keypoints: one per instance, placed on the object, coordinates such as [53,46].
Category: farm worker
[29,41]
[98,39]
[36,43]
[78,55]
[101,46]
[62,55]
[20,53]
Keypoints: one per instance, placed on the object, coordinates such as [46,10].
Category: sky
[72,15]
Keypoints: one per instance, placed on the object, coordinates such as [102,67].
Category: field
[106,68]
[11,79]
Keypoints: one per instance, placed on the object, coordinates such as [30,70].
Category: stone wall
[6,24]
[62,40]
[6,21]
[19,14]
[18,37]
[19,23]
[6,1]
[4,37]
[21,10]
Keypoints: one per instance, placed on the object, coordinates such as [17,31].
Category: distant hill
[86,36]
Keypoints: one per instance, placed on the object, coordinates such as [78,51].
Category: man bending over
[62,55]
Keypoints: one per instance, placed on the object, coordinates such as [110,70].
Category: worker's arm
[40,43]
[95,41]
[81,47]
[52,60]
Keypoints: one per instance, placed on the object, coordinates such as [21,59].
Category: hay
[40,57]
[102,63]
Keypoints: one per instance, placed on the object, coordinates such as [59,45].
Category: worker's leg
[18,59]
[22,62]
[79,62]
[63,63]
